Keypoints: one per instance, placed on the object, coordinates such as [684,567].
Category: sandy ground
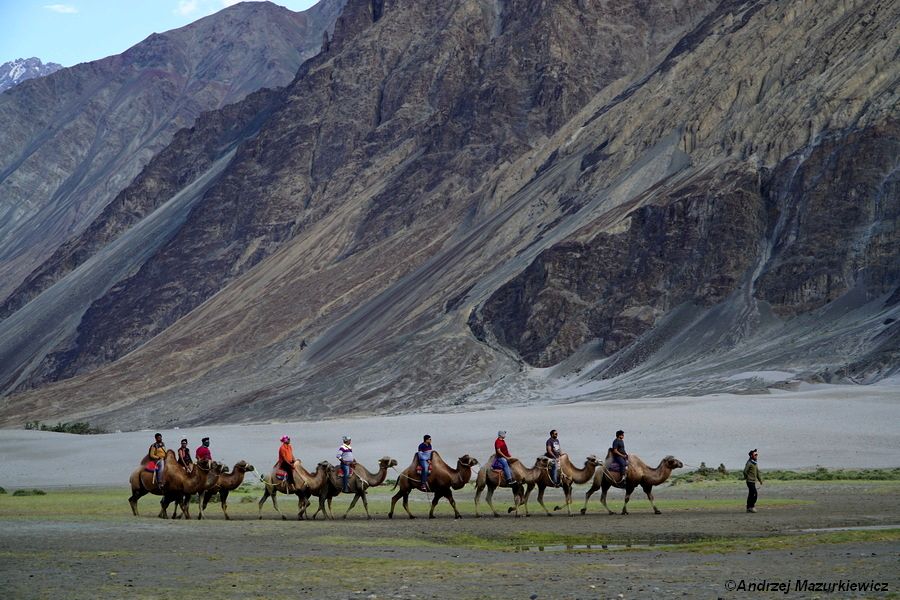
[832,426]
[114,555]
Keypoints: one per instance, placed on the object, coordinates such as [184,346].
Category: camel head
[325,466]
[672,462]
[243,466]
[387,462]
[467,461]
[592,460]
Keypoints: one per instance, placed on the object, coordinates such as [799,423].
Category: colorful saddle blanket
[150,466]
[280,475]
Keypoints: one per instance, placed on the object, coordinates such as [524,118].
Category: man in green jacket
[751,476]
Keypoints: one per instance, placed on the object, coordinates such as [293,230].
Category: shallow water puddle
[854,528]
[574,547]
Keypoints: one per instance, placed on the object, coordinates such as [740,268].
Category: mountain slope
[420,216]
[75,139]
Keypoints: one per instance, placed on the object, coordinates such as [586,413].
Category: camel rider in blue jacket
[620,457]
[345,456]
[424,455]
[553,453]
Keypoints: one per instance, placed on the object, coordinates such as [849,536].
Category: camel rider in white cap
[502,457]
[345,456]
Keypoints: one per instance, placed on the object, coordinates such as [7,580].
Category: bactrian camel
[305,485]
[360,480]
[442,480]
[491,479]
[638,474]
[224,484]
[569,475]
[178,484]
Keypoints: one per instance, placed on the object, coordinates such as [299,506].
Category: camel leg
[302,505]
[488,498]
[434,502]
[628,491]
[478,491]
[330,512]
[223,500]
[185,501]
[594,487]
[262,500]
[456,514]
[274,504]
[648,489]
[133,500]
[394,499]
[352,504]
[567,495]
[366,505]
[541,490]
[606,486]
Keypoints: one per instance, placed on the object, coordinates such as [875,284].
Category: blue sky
[73,31]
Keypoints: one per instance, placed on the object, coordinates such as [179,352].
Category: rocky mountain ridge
[16,71]
[75,139]
[438,201]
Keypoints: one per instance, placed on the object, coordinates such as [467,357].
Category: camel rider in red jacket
[202,452]
[502,457]
[286,461]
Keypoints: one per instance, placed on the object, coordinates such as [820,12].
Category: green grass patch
[77,428]
[784,542]
[820,474]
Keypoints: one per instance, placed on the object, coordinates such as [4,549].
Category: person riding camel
[203,452]
[502,457]
[184,456]
[286,461]
[620,457]
[345,456]
[553,453]
[157,453]
[424,456]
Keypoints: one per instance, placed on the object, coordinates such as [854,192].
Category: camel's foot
[390,515]
[656,511]
[412,516]
[458,516]
[584,511]
[344,517]
[509,509]
[431,516]
[624,512]
[610,512]
[283,518]
[557,508]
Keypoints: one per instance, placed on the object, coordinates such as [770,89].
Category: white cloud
[66,9]
[186,7]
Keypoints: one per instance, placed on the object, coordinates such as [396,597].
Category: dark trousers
[751,494]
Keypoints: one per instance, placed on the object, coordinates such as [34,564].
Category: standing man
[157,453]
[203,452]
[751,476]
[502,457]
[619,455]
[345,456]
[184,456]
[424,456]
[553,453]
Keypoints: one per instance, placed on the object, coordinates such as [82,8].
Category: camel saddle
[280,475]
[419,468]
[150,466]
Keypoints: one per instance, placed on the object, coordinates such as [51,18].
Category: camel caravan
[176,477]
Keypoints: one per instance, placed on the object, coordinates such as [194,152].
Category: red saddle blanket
[419,468]
[280,475]
[150,466]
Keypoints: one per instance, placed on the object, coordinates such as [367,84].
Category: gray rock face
[662,193]
[14,72]
[75,139]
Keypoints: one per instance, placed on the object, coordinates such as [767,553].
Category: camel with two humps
[178,485]
[569,476]
[639,474]
[305,485]
[491,479]
[224,484]
[442,480]
[361,479]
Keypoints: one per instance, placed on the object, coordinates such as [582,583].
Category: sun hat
[346,438]
[285,438]
[501,433]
